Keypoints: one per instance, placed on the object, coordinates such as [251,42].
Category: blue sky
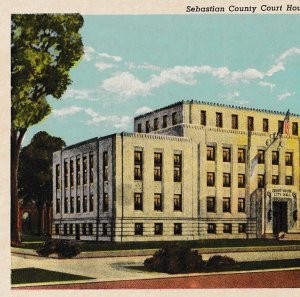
[134,64]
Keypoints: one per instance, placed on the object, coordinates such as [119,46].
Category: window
[66,206]
[157,166]
[226,154]
[57,176]
[72,204]
[226,180]
[280,127]
[105,166]
[177,168]
[265,125]
[177,202]
[91,166]
[91,202]
[90,229]
[227,228]
[84,229]
[78,204]
[155,127]
[57,205]
[78,171]
[289,180]
[211,228]
[72,173]
[71,229]
[165,121]
[241,204]
[275,157]
[226,205]
[138,229]
[177,229]
[289,159]
[241,181]
[210,153]
[275,180]
[174,118]
[66,176]
[242,228]
[139,128]
[158,205]
[260,181]
[295,128]
[250,122]
[138,201]
[203,117]
[84,207]
[105,202]
[241,155]
[65,229]
[219,119]
[158,228]
[138,165]
[210,204]
[260,156]
[57,229]
[104,229]
[147,127]
[210,179]
[84,170]
[234,121]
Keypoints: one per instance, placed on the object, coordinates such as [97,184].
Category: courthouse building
[191,170]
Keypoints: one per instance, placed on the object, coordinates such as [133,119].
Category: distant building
[191,170]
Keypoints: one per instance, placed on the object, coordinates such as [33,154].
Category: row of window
[72,208]
[227,228]
[241,157]
[68,229]
[158,161]
[158,202]
[156,123]
[211,204]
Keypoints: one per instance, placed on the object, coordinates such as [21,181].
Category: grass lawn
[215,243]
[36,275]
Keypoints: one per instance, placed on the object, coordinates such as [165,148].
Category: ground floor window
[56,229]
[71,229]
[104,229]
[90,229]
[138,229]
[227,228]
[242,228]
[211,228]
[158,228]
[177,229]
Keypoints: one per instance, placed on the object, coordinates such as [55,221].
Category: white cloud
[267,84]
[66,111]
[143,66]
[143,109]
[234,98]
[275,68]
[103,66]
[82,94]
[115,58]
[88,53]
[291,52]
[284,96]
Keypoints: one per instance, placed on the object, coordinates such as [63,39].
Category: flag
[286,123]
[254,162]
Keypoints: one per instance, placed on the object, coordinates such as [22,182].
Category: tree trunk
[39,208]
[16,140]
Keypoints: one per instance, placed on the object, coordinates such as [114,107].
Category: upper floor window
[265,125]
[241,204]
[91,166]
[226,154]
[155,126]
[288,159]
[260,180]
[280,127]
[157,166]
[260,156]
[250,123]
[72,173]
[139,128]
[78,200]
[226,180]
[84,205]
[177,167]
[203,117]
[165,121]
[210,179]
[66,171]
[241,155]
[275,157]
[138,201]
[241,180]
[158,204]
[226,205]
[138,165]
[57,174]
[219,119]
[72,204]
[84,170]
[91,202]
[57,205]
[78,177]
[275,180]
[105,201]
[174,118]
[289,180]
[210,153]
[234,121]
[105,166]
[295,128]
[177,202]
[66,205]
[147,127]
[211,204]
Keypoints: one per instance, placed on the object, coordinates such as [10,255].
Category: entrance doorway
[279,217]
[77,231]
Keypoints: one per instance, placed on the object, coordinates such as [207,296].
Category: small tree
[44,47]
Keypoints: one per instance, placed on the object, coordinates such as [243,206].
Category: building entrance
[280,217]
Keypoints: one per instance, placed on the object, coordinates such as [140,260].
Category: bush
[217,262]
[63,248]
[175,259]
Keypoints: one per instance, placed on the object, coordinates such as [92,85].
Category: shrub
[220,263]
[175,259]
[63,248]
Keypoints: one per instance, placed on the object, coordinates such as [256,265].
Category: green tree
[44,47]
[35,171]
